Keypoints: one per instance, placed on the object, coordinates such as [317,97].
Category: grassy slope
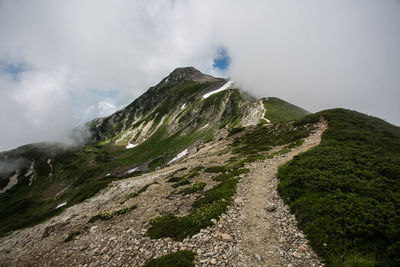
[279,110]
[346,191]
[84,169]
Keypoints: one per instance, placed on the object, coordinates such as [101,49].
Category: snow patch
[204,126]
[61,205]
[130,146]
[183,106]
[30,173]
[180,155]
[51,168]
[133,170]
[222,88]
[13,181]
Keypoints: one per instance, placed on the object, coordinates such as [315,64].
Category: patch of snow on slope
[183,106]
[204,126]
[13,181]
[222,88]
[130,146]
[61,205]
[133,170]
[180,155]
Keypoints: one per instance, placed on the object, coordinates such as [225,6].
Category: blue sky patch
[222,61]
[12,69]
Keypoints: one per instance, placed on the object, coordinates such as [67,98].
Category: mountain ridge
[174,165]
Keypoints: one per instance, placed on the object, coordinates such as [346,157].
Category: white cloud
[317,54]
[35,109]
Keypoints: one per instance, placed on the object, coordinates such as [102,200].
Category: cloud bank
[65,62]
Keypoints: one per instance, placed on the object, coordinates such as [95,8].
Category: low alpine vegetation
[71,236]
[184,180]
[141,190]
[111,214]
[209,205]
[195,188]
[183,258]
[263,137]
[346,191]
[280,110]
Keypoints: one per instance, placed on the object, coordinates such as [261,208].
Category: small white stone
[226,237]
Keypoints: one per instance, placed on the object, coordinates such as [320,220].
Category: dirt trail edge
[269,235]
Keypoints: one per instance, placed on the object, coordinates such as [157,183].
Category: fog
[65,62]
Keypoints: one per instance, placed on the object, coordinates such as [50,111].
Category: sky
[63,63]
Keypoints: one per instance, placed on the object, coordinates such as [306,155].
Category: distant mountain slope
[346,192]
[279,110]
[186,110]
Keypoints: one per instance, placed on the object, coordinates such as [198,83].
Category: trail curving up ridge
[268,235]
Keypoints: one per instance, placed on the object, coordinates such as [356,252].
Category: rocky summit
[196,172]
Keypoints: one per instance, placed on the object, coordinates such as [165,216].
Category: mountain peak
[186,70]
[189,73]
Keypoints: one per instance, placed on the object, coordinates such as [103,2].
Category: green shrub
[195,188]
[180,227]
[221,192]
[111,214]
[181,182]
[216,169]
[184,180]
[183,258]
[71,236]
[352,259]
[236,130]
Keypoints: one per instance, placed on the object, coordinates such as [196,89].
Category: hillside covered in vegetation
[346,191]
[279,110]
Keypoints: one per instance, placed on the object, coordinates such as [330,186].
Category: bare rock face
[221,134]
[254,114]
[270,207]
[52,228]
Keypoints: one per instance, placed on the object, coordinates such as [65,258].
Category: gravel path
[269,233]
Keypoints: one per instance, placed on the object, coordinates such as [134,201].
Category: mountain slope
[171,118]
[178,98]
[139,218]
[279,110]
[346,191]
[191,165]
